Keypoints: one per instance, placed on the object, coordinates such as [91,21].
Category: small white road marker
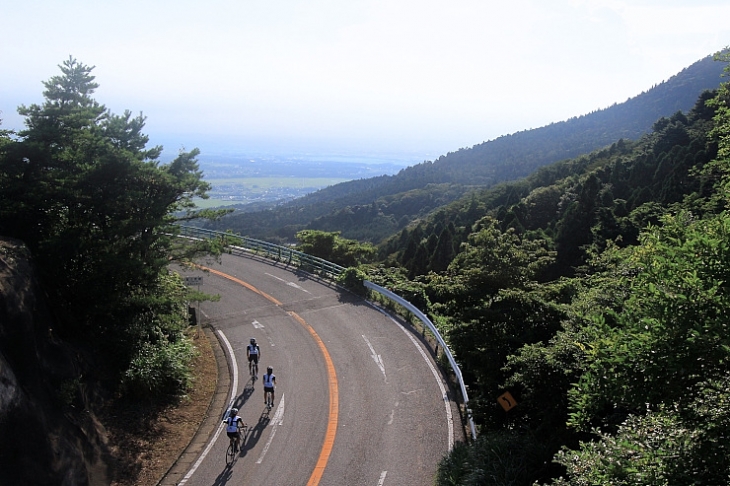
[382,478]
[290,284]
[376,357]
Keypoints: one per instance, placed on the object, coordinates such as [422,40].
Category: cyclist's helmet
[269,369]
[234,411]
[253,340]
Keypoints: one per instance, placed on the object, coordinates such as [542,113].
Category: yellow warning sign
[506,401]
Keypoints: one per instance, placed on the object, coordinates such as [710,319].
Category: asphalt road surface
[359,400]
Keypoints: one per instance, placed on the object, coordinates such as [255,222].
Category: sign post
[192,311]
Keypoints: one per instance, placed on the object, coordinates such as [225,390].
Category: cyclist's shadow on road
[225,475]
[244,396]
[254,432]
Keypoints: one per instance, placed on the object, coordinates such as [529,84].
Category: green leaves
[331,247]
[671,331]
[98,210]
[625,363]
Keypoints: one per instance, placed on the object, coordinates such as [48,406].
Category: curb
[212,420]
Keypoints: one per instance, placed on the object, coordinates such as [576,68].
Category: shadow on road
[253,434]
[242,398]
[224,476]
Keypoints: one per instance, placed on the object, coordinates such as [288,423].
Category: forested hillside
[373,209]
[596,292]
[574,203]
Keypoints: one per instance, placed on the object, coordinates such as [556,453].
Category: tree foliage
[99,212]
[333,248]
[615,342]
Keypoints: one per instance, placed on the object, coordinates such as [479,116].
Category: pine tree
[93,204]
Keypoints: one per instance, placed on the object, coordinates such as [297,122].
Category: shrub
[160,368]
[352,279]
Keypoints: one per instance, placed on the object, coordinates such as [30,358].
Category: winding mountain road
[359,400]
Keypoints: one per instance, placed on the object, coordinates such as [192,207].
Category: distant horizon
[400,80]
[216,153]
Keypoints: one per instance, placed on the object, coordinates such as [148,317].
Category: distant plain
[246,190]
[270,179]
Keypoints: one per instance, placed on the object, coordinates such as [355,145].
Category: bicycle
[269,400]
[253,368]
[233,445]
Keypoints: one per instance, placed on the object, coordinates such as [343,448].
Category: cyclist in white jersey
[253,353]
[233,424]
[269,383]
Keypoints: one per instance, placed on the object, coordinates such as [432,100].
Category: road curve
[359,400]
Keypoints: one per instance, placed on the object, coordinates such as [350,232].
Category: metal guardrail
[279,253]
[329,270]
[427,322]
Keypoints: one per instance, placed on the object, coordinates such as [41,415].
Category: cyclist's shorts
[254,358]
[232,435]
[268,389]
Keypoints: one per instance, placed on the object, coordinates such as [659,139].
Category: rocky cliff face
[48,435]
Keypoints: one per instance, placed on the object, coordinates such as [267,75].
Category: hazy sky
[419,76]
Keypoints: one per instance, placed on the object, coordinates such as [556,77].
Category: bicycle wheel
[230,454]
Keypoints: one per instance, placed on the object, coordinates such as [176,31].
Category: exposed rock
[48,435]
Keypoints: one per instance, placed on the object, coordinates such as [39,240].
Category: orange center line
[329,436]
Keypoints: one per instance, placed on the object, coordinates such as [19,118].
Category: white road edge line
[444,394]
[234,390]
[276,422]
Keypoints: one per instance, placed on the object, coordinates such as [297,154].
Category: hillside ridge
[505,158]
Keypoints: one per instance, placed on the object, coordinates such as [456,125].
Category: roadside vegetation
[82,190]
[596,291]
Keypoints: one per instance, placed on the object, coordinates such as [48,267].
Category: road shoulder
[211,420]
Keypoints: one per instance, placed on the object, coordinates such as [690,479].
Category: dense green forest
[596,292]
[372,209]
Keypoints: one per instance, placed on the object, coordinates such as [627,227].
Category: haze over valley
[267,178]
